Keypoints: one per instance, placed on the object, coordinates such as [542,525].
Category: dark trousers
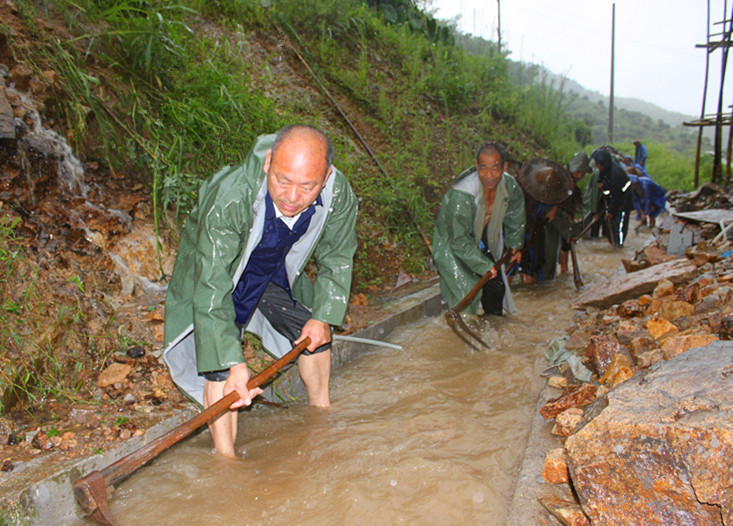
[619,225]
[286,316]
[492,294]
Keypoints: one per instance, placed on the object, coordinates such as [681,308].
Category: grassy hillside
[155,96]
[188,85]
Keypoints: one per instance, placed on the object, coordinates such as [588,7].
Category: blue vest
[267,261]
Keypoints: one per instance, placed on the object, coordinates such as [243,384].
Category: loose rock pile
[648,440]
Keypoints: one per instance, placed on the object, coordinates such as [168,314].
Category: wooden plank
[614,291]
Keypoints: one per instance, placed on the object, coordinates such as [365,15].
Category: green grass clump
[173,91]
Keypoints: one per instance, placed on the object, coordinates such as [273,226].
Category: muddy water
[431,434]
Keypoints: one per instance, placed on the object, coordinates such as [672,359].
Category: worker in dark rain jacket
[240,266]
[614,185]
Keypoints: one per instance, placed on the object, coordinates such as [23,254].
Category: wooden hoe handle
[92,490]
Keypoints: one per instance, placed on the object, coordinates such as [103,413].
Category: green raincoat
[217,240]
[592,195]
[561,227]
[458,231]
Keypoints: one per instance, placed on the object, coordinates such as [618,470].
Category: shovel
[92,490]
[577,279]
[453,316]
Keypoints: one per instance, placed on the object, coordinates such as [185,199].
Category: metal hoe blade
[456,323]
[91,493]
[577,279]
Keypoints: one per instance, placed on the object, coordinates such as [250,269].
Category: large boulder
[658,449]
[619,289]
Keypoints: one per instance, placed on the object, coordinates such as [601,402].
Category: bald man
[240,267]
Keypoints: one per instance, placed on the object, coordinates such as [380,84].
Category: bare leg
[563,258]
[223,428]
[315,370]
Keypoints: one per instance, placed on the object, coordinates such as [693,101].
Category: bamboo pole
[704,101]
[610,98]
[725,44]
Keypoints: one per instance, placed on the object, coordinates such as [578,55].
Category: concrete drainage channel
[529,487]
[50,500]
[31,498]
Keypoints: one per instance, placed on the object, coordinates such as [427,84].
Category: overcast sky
[655,55]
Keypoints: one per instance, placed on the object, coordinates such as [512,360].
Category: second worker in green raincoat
[481,214]
[240,265]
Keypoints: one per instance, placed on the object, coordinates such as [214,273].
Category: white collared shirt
[289,221]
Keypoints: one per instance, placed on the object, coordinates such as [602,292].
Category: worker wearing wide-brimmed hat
[547,186]
[481,214]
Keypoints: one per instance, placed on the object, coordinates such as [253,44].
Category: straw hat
[546,181]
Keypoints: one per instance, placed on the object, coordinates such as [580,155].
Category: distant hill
[633,118]
[671,118]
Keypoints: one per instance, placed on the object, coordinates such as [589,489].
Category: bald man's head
[305,134]
[298,166]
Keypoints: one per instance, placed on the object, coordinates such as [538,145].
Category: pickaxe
[453,316]
[92,490]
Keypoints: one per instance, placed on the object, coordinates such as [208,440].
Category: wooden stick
[420,230]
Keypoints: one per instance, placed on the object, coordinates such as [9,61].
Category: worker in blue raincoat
[649,199]
[481,214]
[632,168]
[640,153]
[240,266]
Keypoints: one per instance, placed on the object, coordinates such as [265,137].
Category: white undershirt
[289,221]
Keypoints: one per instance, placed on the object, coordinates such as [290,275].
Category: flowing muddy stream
[432,434]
